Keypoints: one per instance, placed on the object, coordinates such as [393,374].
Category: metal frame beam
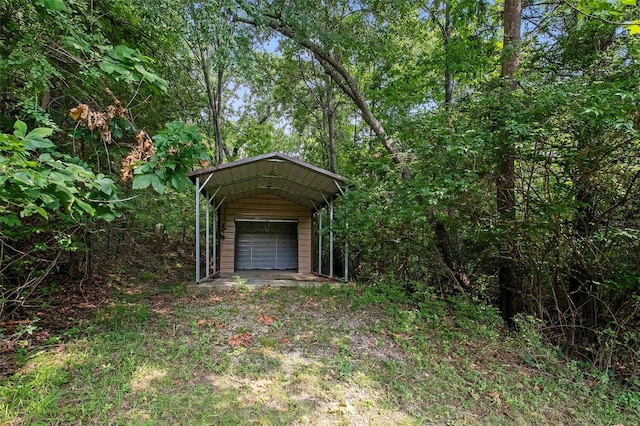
[210,237]
[207,238]
[215,240]
[198,229]
[346,248]
[266,176]
[320,242]
[331,239]
[276,190]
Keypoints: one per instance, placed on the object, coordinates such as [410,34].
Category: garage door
[266,245]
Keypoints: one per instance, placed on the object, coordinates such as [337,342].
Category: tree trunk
[448,75]
[450,256]
[509,281]
[221,146]
[214,96]
[215,107]
[330,114]
[582,306]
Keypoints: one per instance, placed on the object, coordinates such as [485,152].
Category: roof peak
[263,157]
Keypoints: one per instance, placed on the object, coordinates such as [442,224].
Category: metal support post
[215,241]
[207,237]
[331,239]
[346,249]
[197,229]
[320,242]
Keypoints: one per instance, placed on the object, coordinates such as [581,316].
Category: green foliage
[129,66]
[179,148]
[52,40]
[38,180]
[46,198]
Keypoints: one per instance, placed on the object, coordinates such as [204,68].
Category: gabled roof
[272,173]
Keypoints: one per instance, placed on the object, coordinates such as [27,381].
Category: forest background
[492,147]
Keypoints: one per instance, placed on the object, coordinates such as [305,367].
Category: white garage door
[266,245]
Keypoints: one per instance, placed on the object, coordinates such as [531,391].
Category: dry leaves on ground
[209,322]
[266,319]
[242,339]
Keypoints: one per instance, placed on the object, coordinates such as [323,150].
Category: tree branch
[341,76]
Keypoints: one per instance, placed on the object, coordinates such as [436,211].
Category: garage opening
[266,244]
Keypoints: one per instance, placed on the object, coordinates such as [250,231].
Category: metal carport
[276,174]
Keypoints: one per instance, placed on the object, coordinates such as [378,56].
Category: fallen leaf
[495,397]
[266,319]
[243,339]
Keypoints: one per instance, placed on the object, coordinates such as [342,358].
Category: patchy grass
[304,356]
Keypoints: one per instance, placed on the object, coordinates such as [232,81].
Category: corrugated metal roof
[272,173]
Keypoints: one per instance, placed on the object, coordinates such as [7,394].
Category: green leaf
[162,83]
[34,144]
[40,132]
[107,216]
[20,129]
[65,193]
[77,43]
[124,53]
[142,169]
[157,184]
[152,78]
[86,207]
[25,177]
[55,4]
[51,202]
[31,209]
[146,74]
[110,67]
[105,185]
[141,181]
[36,139]
[10,220]
[178,182]
[61,177]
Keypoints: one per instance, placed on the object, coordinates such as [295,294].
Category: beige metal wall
[263,207]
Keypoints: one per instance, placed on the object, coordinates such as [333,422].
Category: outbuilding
[259,215]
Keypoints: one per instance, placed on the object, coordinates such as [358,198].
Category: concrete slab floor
[257,279]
